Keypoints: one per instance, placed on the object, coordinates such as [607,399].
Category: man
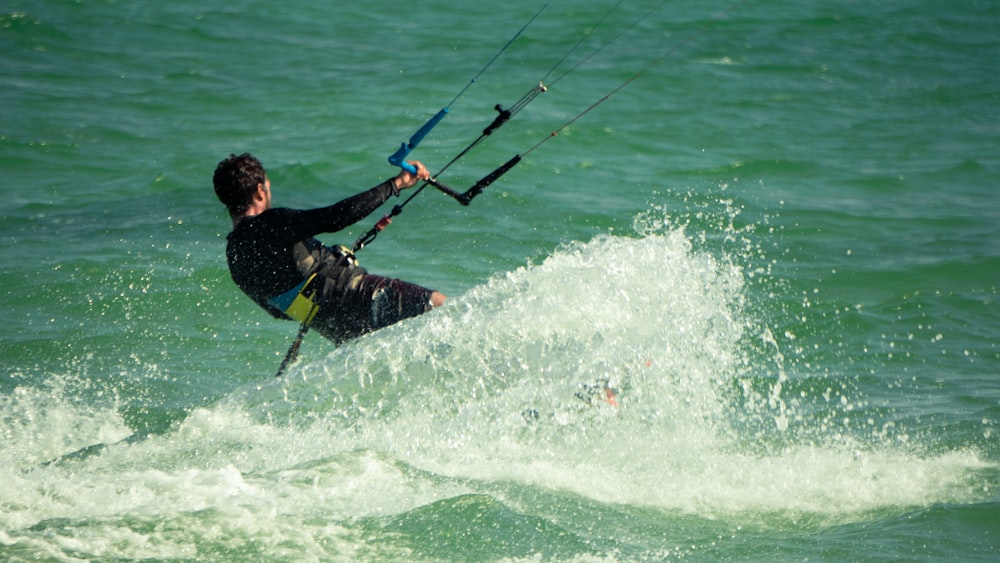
[275,259]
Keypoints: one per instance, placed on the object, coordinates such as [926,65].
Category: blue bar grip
[398,158]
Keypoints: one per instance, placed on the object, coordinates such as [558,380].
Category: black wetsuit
[271,253]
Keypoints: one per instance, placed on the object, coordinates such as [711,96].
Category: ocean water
[777,243]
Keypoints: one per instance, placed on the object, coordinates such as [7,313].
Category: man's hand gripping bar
[398,158]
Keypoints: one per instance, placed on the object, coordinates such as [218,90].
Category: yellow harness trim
[303,308]
[299,303]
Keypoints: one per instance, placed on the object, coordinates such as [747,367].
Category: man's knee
[437,299]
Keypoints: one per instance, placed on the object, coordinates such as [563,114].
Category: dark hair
[236,180]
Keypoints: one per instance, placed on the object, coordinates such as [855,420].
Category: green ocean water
[779,243]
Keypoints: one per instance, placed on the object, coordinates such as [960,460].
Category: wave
[626,371]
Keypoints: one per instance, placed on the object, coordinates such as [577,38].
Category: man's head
[237,180]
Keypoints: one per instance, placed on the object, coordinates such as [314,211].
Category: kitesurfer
[275,259]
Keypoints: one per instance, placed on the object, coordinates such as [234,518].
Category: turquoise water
[779,244]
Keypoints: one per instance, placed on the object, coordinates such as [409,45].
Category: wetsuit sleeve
[343,214]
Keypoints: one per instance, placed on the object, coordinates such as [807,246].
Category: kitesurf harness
[299,303]
[398,158]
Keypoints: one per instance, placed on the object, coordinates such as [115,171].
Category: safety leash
[293,350]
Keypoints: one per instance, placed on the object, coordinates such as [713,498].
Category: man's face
[265,192]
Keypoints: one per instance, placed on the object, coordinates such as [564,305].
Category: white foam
[43,423]
[481,391]
[664,323]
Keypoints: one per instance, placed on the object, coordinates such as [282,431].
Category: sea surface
[774,239]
